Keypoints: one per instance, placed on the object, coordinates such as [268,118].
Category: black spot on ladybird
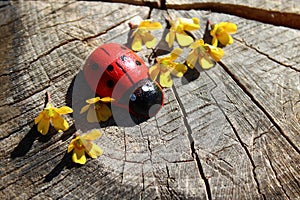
[110,83]
[123,57]
[110,68]
[138,63]
[94,66]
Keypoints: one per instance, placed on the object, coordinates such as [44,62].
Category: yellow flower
[142,35]
[165,67]
[221,31]
[97,109]
[53,115]
[178,28]
[82,144]
[203,53]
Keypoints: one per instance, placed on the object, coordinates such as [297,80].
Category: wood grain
[273,12]
[280,13]
[231,132]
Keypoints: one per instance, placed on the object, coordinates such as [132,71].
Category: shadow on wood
[26,143]
[66,162]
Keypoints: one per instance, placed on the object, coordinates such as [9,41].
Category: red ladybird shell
[112,69]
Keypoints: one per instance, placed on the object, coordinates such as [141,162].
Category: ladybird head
[146,99]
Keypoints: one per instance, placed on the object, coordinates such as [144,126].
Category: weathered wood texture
[288,6]
[230,133]
[280,13]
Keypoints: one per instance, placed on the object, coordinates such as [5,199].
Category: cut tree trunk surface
[230,132]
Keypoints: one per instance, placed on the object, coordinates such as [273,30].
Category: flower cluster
[51,114]
[166,66]
[97,108]
[221,32]
[178,29]
[202,54]
[142,34]
[81,144]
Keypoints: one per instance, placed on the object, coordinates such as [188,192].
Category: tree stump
[230,132]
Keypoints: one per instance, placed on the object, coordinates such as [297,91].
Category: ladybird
[113,70]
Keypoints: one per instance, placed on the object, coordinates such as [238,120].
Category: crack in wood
[143,185]
[261,134]
[151,4]
[227,174]
[16,101]
[276,176]
[199,107]
[278,18]
[291,20]
[52,49]
[172,192]
[257,103]
[125,156]
[192,145]
[18,18]
[149,149]
[178,161]
[86,39]
[267,55]
[244,147]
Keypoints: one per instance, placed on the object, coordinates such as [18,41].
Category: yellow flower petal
[79,156]
[149,40]
[190,24]
[107,99]
[43,126]
[175,53]
[91,116]
[59,123]
[215,52]
[191,60]
[92,135]
[205,63]
[84,108]
[148,25]
[137,43]
[71,145]
[104,113]
[83,143]
[221,31]
[214,41]
[183,39]
[153,72]
[93,100]
[144,24]
[39,117]
[94,151]
[230,39]
[224,38]
[179,70]
[229,27]
[170,37]
[197,44]
[165,79]
[64,110]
